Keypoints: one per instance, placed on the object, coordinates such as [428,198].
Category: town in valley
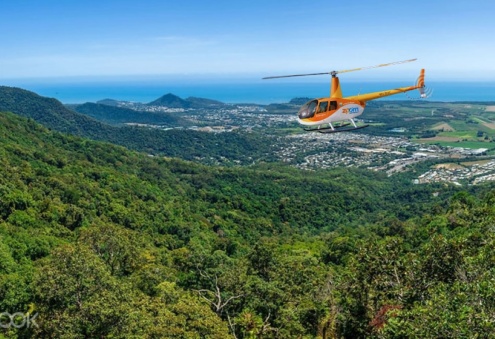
[454,140]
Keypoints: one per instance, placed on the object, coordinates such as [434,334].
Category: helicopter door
[308,109]
[323,107]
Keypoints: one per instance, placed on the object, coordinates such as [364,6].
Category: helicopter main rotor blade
[294,75]
[381,65]
[338,72]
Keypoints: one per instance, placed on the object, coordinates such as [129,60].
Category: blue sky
[452,39]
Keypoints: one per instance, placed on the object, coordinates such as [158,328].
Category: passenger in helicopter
[323,107]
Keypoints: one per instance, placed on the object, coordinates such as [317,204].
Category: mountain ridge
[173,101]
[186,144]
[49,112]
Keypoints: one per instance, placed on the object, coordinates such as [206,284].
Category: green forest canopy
[100,241]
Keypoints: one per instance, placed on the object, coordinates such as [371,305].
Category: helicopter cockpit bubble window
[308,109]
[322,108]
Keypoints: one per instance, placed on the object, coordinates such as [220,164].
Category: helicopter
[338,113]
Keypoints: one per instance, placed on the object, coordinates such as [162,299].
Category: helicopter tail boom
[420,85]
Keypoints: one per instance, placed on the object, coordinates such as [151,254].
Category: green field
[447,124]
[463,144]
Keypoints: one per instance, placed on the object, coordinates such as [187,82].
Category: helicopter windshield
[308,109]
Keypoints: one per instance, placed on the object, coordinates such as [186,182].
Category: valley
[403,136]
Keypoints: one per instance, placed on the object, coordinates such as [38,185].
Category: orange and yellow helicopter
[326,111]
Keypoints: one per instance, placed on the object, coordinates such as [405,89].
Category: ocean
[258,92]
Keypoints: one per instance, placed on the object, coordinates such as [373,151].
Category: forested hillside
[99,241]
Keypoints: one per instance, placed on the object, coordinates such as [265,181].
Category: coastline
[259,92]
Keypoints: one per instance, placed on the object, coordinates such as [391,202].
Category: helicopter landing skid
[325,128]
[341,129]
[335,129]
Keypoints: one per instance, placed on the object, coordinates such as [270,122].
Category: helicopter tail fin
[421,84]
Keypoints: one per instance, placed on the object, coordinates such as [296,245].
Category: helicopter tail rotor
[424,91]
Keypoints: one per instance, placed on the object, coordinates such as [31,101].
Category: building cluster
[471,173]
[385,154]
[136,106]
[315,150]
[237,116]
